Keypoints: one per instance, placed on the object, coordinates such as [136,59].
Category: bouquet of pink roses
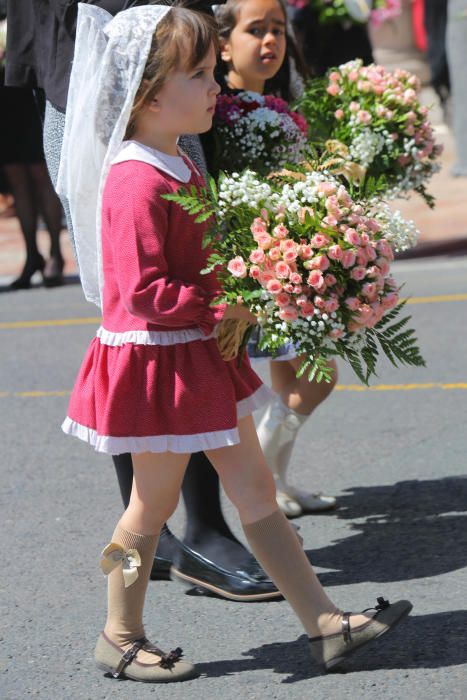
[313,264]
[257,131]
[374,118]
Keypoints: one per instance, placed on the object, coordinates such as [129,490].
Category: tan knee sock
[275,545]
[125,605]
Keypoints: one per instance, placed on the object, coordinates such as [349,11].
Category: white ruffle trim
[182,444]
[261,396]
[151,337]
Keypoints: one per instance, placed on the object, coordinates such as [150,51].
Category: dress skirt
[181,397]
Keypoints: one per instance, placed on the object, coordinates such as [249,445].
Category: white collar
[172,165]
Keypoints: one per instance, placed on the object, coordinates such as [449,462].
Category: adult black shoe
[200,576]
[160,569]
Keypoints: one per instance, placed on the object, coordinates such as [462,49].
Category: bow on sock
[114,555]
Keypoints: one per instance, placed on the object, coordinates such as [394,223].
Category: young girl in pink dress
[153,381]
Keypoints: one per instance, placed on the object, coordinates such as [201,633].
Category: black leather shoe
[160,569]
[200,576]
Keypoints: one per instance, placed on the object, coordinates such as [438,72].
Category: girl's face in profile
[256,47]
[186,102]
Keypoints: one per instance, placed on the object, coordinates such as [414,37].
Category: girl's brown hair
[181,41]
[227,18]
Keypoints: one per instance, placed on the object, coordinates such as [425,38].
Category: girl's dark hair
[227,17]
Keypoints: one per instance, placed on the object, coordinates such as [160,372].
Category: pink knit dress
[153,378]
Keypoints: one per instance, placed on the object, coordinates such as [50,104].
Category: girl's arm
[138,229]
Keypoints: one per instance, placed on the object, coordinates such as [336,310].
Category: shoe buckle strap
[128,656]
[345,626]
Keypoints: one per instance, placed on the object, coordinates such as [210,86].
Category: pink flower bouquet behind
[377,119]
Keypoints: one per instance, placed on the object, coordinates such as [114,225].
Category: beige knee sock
[125,605]
[276,547]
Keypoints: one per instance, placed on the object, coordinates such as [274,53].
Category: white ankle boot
[277,432]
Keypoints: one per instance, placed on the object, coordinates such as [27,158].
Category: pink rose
[333,89]
[390,300]
[302,299]
[275,254]
[364,238]
[265,214]
[331,305]
[320,262]
[282,270]
[352,303]
[306,252]
[370,253]
[280,231]
[258,226]
[330,221]
[383,265]
[358,273]
[257,256]
[288,244]
[335,252]
[348,259]
[334,76]
[363,116]
[369,290]
[290,256]
[336,333]
[296,278]
[344,197]
[352,237]
[274,286]
[282,299]
[265,278]
[319,302]
[315,278]
[339,114]
[330,279]
[307,309]
[237,267]
[288,313]
[320,240]
[255,272]
[354,106]
[327,188]
[263,239]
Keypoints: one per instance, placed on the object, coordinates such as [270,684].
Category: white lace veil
[108,64]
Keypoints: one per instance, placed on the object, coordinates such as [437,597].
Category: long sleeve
[139,227]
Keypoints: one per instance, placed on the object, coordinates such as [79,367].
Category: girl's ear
[225,52]
[154,105]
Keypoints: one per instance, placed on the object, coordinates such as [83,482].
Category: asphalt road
[396,456]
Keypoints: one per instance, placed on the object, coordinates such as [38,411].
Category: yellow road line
[401,387]
[340,387]
[53,322]
[437,299]
[93,320]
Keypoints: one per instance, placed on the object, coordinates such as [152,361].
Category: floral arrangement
[334,11]
[261,132]
[3,26]
[384,10]
[312,264]
[376,118]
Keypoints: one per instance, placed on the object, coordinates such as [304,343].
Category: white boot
[277,433]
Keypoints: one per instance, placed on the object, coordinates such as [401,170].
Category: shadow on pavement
[69,279]
[425,641]
[412,529]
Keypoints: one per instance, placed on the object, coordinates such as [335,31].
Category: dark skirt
[21,115]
